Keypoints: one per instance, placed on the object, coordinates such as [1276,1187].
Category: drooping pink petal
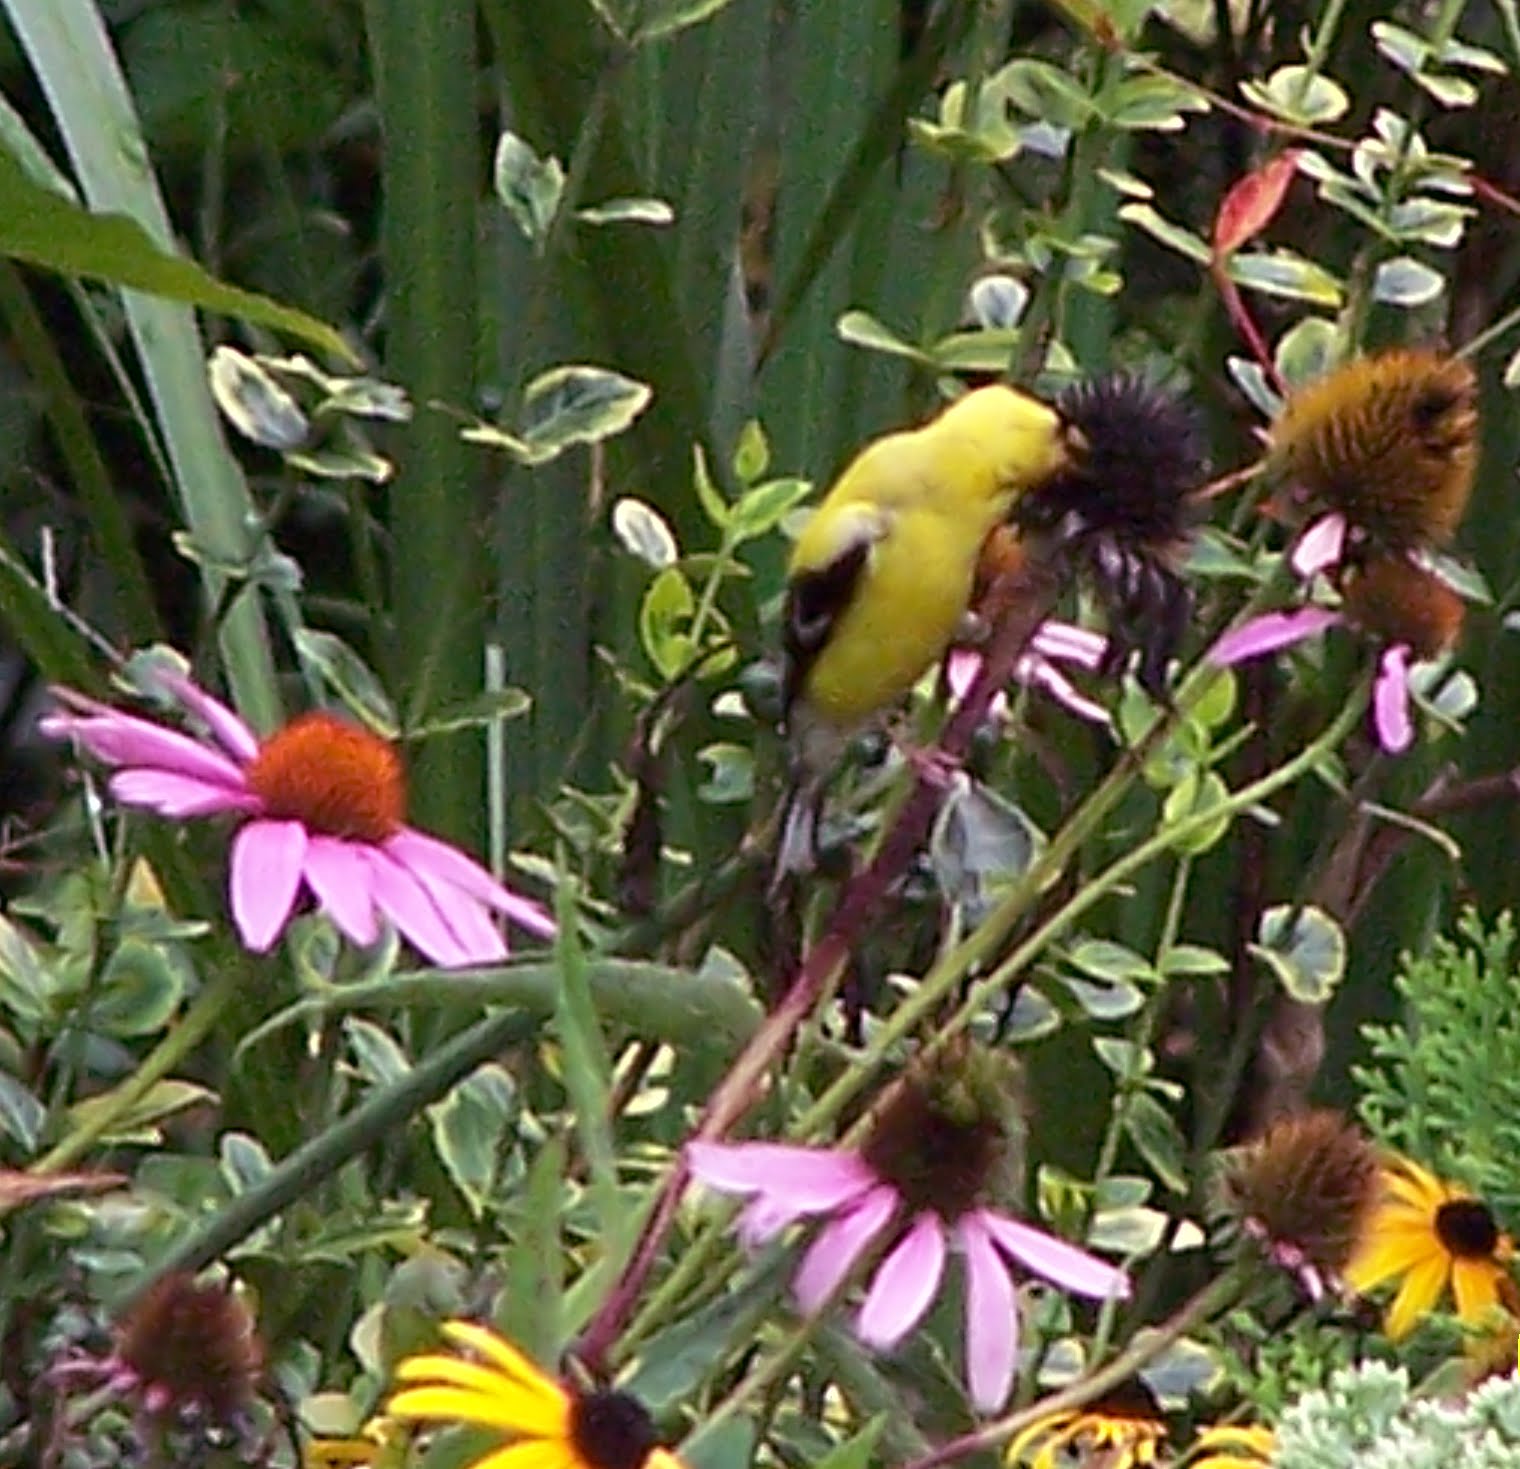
[234,736]
[409,906]
[1269,632]
[763,1218]
[1060,1263]
[961,669]
[468,919]
[1321,546]
[123,739]
[267,857]
[992,1317]
[813,1180]
[840,1243]
[419,852]
[905,1284]
[1391,717]
[1037,673]
[178,796]
[1068,643]
[340,878]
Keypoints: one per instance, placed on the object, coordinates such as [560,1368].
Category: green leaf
[471,1126]
[138,1123]
[856,1452]
[348,676]
[494,706]
[1282,273]
[1153,102]
[727,1444]
[752,454]
[730,773]
[1308,350]
[1045,92]
[141,986]
[529,186]
[1104,1001]
[627,211]
[1310,958]
[1175,236]
[1294,93]
[49,231]
[641,21]
[1405,281]
[714,506]
[1106,960]
[643,532]
[861,329]
[244,1161]
[1193,959]
[760,510]
[21,1114]
[255,403]
[577,405]
[1150,1127]
[529,1313]
[377,1052]
[1195,794]
[664,616]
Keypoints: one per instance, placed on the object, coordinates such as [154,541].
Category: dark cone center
[1467,1229]
[935,1161]
[611,1430]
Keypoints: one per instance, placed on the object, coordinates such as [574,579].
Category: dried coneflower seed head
[611,1430]
[1395,601]
[191,1345]
[1123,512]
[1388,441]
[333,777]
[1304,1190]
[942,1135]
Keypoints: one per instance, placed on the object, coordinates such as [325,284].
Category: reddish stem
[1035,586]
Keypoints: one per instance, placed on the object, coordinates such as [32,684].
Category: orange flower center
[331,776]
[1467,1229]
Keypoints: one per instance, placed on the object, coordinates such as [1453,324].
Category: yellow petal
[662,1459]
[522,1409]
[1419,1189]
[1418,1294]
[504,1355]
[539,1454]
[1475,1283]
[460,1405]
[1036,1431]
[1383,1255]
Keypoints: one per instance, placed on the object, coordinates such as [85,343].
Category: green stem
[192,1029]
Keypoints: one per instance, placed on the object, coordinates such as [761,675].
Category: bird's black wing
[815,600]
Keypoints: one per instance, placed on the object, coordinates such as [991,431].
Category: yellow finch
[881,575]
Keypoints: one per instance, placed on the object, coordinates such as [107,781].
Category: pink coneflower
[1409,610]
[1054,643]
[919,1184]
[321,802]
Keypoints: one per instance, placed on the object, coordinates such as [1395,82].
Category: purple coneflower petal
[1039,674]
[763,1218]
[469,921]
[422,853]
[1060,1263]
[992,1318]
[410,907]
[1068,643]
[339,877]
[178,795]
[1390,701]
[810,1180]
[840,1243]
[1269,632]
[1321,546]
[230,732]
[905,1284]
[267,858]
[123,739]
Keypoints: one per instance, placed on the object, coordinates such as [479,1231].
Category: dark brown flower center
[331,776]
[195,1343]
[1398,602]
[611,1430]
[937,1156]
[1466,1229]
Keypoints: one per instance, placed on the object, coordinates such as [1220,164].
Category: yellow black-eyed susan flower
[1120,1431]
[1385,448]
[1233,1446]
[547,1425]
[1304,1192]
[1121,512]
[1431,1236]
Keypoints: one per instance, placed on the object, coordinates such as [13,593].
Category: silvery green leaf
[998,301]
[254,403]
[1405,281]
[529,186]
[627,211]
[644,532]
[1307,953]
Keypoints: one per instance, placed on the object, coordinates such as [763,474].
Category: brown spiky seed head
[1395,601]
[1390,441]
[945,1134]
[195,1343]
[1307,1185]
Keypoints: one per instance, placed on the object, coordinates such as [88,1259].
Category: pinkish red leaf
[1252,203]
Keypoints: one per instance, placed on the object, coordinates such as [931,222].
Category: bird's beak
[1074,445]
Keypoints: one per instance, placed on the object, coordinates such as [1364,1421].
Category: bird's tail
[797,849]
